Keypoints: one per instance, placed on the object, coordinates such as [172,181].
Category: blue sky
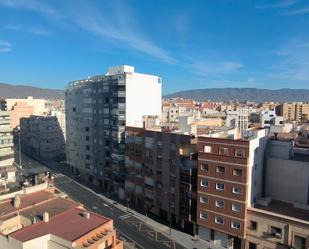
[190,44]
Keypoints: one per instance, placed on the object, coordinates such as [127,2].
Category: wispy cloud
[275,4]
[31,30]
[213,68]
[293,61]
[5,46]
[117,24]
[297,12]
[120,26]
[33,5]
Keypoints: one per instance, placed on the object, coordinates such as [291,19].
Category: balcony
[6,152]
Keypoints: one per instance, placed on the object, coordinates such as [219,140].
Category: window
[237,172]
[223,151]
[87,138]
[203,199]
[203,215]
[235,225]
[204,166]
[220,169]
[219,204]
[253,225]
[252,245]
[207,149]
[219,220]
[87,129]
[204,183]
[275,231]
[299,242]
[240,153]
[236,207]
[237,190]
[219,186]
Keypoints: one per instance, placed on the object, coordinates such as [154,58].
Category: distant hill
[243,94]
[15,91]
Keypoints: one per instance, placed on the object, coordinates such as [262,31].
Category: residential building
[274,224]
[269,118]
[238,119]
[25,108]
[230,177]
[161,175]
[60,115]
[18,111]
[3,106]
[42,137]
[41,217]
[295,111]
[97,111]
[7,170]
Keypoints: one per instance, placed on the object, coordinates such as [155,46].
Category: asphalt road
[134,232]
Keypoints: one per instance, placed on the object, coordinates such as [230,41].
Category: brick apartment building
[230,172]
[161,174]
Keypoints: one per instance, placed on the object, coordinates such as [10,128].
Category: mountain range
[214,94]
[243,94]
[21,91]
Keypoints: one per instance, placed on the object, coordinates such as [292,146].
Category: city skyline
[206,44]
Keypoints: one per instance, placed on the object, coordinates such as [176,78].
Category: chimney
[46,216]
[17,201]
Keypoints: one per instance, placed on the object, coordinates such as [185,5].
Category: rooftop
[33,205]
[286,209]
[69,225]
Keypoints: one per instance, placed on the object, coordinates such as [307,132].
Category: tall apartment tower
[97,110]
[230,176]
[7,171]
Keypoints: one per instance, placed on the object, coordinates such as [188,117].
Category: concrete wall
[143,97]
[287,180]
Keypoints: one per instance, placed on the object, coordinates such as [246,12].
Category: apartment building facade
[295,111]
[274,224]
[7,171]
[230,172]
[42,137]
[97,111]
[161,175]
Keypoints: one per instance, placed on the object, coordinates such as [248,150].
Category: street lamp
[19,149]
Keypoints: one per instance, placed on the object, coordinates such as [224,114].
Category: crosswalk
[57,175]
[125,216]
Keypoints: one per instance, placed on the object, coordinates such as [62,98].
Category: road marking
[126,216]
[128,237]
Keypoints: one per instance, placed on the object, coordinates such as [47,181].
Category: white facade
[7,172]
[256,165]
[238,119]
[269,118]
[143,97]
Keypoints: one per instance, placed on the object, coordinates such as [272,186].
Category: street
[134,232]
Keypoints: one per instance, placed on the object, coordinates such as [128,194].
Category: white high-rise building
[97,110]
[7,170]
